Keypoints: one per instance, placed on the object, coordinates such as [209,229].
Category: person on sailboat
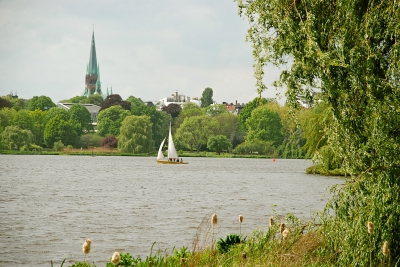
[181,160]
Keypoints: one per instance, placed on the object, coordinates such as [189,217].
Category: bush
[90,140]
[58,146]
[31,147]
[224,246]
[109,142]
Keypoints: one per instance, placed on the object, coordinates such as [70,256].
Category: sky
[148,49]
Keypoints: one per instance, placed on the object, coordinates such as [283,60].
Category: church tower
[92,79]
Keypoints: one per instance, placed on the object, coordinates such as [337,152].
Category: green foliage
[58,146]
[39,122]
[57,129]
[135,136]
[189,110]
[264,124]
[31,147]
[14,137]
[218,143]
[256,146]
[7,116]
[90,140]
[195,131]
[224,246]
[57,111]
[95,99]
[246,111]
[215,109]
[109,120]
[206,97]
[159,119]
[80,116]
[23,120]
[40,102]
[349,51]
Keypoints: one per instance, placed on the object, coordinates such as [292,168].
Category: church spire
[92,59]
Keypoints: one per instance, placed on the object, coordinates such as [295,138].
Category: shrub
[58,146]
[224,246]
[90,140]
[109,142]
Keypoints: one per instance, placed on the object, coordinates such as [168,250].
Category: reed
[115,258]
[240,224]
[86,247]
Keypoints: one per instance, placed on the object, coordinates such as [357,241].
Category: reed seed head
[385,248]
[240,218]
[285,232]
[370,228]
[214,219]
[115,258]
[86,246]
[271,221]
[281,228]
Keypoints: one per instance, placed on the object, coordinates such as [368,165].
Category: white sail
[171,147]
[160,154]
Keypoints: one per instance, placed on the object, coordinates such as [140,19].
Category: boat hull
[170,162]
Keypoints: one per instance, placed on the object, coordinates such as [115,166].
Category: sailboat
[172,157]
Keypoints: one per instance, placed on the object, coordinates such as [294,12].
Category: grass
[304,246]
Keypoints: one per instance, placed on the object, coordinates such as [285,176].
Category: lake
[50,204]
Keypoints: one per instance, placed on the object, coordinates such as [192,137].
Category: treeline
[262,126]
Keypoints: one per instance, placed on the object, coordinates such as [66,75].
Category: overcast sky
[148,49]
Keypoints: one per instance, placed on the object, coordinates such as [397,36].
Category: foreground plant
[346,53]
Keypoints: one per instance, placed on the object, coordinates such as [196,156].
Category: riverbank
[115,152]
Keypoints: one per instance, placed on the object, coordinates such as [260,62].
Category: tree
[109,142]
[349,51]
[7,116]
[172,109]
[76,100]
[218,143]
[57,128]
[23,120]
[195,131]
[109,120]
[41,102]
[57,111]
[246,111]
[136,135]
[39,122]
[113,100]
[206,97]
[215,109]
[14,137]
[228,123]
[95,99]
[80,116]
[4,103]
[265,125]
[189,110]
[136,104]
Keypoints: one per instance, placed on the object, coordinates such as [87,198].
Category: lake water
[50,204]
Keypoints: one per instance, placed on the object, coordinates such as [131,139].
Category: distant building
[178,99]
[233,108]
[92,78]
[93,110]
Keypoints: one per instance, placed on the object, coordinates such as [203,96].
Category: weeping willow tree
[349,50]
